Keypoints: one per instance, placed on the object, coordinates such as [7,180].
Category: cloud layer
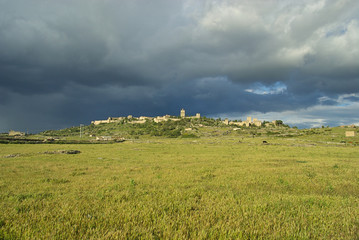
[67,62]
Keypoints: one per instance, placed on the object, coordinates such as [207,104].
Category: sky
[66,63]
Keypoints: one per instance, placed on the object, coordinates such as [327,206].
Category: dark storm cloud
[72,60]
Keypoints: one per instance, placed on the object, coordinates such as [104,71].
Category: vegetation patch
[63,152]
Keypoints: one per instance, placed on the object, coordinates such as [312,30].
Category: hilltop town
[142,119]
[183,126]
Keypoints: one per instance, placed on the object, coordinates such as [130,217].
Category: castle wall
[97,122]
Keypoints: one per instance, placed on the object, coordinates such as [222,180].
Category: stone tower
[183,113]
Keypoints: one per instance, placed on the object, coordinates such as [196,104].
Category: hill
[202,128]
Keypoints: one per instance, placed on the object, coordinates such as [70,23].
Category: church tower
[183,113]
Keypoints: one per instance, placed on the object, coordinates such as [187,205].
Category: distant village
[247,123]
[143,119]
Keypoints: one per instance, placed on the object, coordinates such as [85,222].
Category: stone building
[256,122]
[161,119]
[246,123]
[13,133]
[349,133]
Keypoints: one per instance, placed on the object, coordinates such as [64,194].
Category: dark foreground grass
[179,189]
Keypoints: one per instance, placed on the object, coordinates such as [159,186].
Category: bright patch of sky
[341,101]
[316,116]
[261,89]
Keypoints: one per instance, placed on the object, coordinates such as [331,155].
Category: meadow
[227,187]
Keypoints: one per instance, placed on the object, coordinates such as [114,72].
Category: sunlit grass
[205,188]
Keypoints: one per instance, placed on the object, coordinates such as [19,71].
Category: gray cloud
[121,57]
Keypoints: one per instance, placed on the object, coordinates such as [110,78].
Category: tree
[278,122]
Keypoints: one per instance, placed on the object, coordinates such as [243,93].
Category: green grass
[228,187]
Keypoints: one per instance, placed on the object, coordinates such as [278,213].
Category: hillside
[205,128]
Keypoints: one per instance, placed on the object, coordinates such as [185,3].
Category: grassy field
[227,187]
